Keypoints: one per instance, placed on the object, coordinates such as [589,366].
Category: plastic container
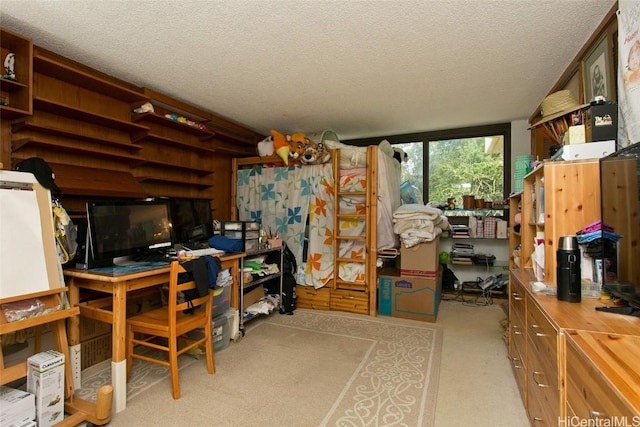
[221,301]
[221,330]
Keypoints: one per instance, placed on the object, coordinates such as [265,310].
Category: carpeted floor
[314,368]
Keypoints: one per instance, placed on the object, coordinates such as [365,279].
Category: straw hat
[557,105]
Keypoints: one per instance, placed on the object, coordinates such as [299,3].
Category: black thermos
[568,269]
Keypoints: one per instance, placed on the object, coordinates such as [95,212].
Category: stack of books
[462,254]
[459,231]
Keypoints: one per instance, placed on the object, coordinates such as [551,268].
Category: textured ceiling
[360,68]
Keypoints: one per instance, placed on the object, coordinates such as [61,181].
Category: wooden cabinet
[15,91]
[546,373]
[543,387]
[602,377]
[518,335]
[558,199]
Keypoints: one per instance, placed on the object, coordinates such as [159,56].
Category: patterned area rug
[314,368]
[396,381]
[143,376]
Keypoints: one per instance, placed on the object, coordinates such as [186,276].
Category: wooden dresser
[553,344]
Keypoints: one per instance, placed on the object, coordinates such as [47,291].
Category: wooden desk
[118,286]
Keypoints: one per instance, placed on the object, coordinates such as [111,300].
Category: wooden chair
[170,323]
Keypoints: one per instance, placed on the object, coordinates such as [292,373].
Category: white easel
[29,268]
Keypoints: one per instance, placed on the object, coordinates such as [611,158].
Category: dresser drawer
[590,394]
[517,298]
[518,366]
[543,394]
[543,338]
[517,333]
[315,299]
[350,301]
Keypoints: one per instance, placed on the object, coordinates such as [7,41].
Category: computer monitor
[191,219]
[620,203]
[121,231]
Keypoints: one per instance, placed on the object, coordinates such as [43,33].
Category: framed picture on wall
[597,71]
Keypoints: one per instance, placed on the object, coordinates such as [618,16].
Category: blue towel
[225,244]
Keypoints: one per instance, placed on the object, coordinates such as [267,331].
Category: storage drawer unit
[517,335]
[309,297]
[543,388]
[592,395]
[350,301]
[247,231]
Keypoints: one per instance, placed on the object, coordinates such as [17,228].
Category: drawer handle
[313,293]
[348,297]
[515,361]
[539,384]
[538,334]
[516,296]
[535,419]
[516,330]
[593,415]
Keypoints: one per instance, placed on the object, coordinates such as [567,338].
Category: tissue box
[45,379]
[590,150]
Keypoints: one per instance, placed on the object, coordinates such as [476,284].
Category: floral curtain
[280,198]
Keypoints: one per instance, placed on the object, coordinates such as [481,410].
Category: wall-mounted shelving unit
[16,93]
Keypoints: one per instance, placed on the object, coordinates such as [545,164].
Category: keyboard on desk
[203,252]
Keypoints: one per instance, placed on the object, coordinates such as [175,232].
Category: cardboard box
[45,379]
[409,297]
[420,260]
[252,296]
[17,407]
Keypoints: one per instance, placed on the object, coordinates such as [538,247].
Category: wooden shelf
[8,112]
[87,116]
[192,183]
[60,68]
[164,121]
[27,125]
[17,93]
[173,142]
[232,136]
[571,202]
[94,182]
[9,85]
[72,147]
[200,170]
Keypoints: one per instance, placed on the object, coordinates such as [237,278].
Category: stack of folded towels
[416,223]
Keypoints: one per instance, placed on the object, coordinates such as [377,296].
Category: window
[470,161]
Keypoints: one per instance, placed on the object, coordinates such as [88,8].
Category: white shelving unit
[499,247]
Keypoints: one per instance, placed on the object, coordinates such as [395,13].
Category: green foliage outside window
[457,167]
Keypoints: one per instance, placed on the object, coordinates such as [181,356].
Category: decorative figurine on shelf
[451,203]
[9,66]
[147,107]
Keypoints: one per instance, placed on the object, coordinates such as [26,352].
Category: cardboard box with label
[45,379]
[17,407]
[409,297]
[420,260]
